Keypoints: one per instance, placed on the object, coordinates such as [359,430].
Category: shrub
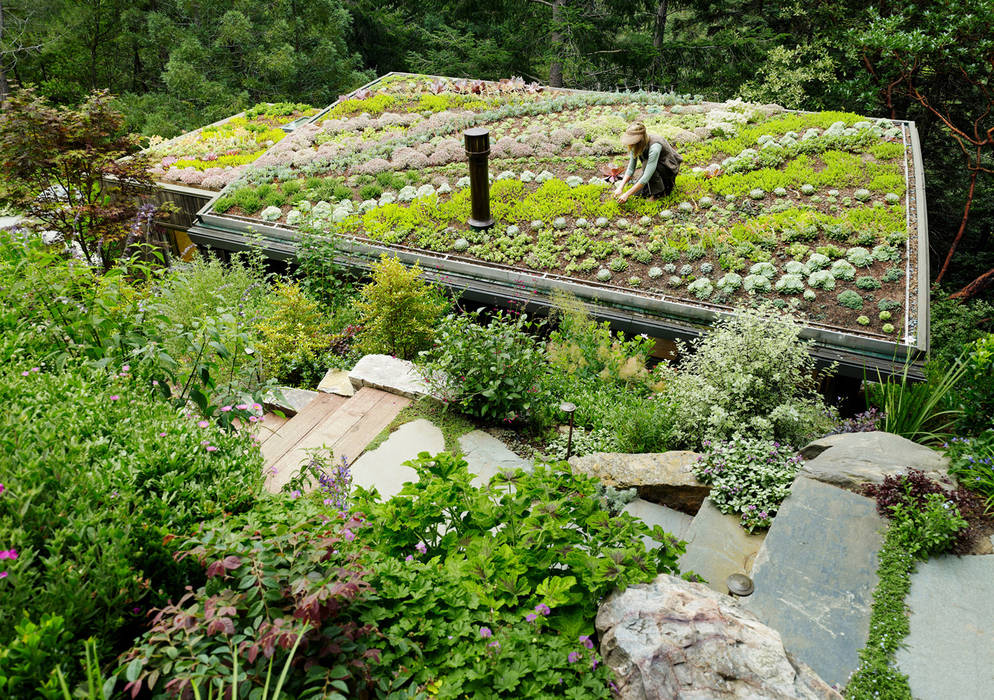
[492,371]
[279,578]
[750,374]
[99,474]
[293,334]
[399,310]
[956,324]
[976,389]
[971,460]
[643,424]
[492,592]
[749,477]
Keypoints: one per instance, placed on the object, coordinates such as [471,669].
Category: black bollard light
[478,154]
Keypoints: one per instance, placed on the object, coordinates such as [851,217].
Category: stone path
[950,650]
[672,521]
[815,575]
[718,546]
[486,456]
[384,469]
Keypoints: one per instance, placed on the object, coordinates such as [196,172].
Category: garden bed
[817,212]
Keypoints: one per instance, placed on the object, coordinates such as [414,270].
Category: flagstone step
[718,546]
[815,574]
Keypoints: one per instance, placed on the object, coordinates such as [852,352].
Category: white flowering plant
[748,477]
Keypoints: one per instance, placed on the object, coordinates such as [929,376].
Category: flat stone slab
[289,400]
[336,381]
[665,477]
[672,521]
[815,575]
[384,469]
[718,546]
[388,374]
[950,650]
[8,221]
[487,456]
[851,459]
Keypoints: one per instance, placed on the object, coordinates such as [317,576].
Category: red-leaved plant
[612,172]
[279,591]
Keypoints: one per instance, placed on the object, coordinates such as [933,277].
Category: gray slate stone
[336,381]
[950,650]
[389,374]
[487,456]
[288,399]
[665,477]
[815,575]
[682,641]
[384,469]
[718,546]
[672,521]
[851,459]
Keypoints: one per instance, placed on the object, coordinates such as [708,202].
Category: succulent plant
[863,320]
[867,282]
[807,189]
[544,176]
[862,195]
[765,269]
[729,283]
[618,264]
[794,267]
[885,315]
[559,223]
[685,208]
[645,221]
[512,230]
[701,288]
[850,299]
[756,283]
[705,202]
[817,261]
[686,270]
[581,223]
[623,224]
[603,274]
[537,224]
[293,217]
[655,272]
[892,198]
[757,193]
[407,194]
[790,284]
[780,192]
[821,279]
[666,214]
[675,281]
[843,270]
[527,176]
[707,268]
[809,295]
[887,328]
[574,180]
[634,281]
[271,214]
[860,257]
[601,222]
[460,245]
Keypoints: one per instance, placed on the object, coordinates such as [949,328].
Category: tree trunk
[660,31]
[975,287]
[962,226]
[556,67]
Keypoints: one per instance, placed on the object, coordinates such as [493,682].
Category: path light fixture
[739,585]
[478,154]
[569,409]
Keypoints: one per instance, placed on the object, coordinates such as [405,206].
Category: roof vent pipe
[478,154]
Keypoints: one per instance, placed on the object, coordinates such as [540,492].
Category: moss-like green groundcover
[803,210]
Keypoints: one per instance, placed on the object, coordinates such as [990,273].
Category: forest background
[179,64]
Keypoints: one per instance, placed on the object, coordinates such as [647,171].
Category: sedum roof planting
[810,211]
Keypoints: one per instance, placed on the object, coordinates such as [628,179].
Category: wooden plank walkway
[343,426]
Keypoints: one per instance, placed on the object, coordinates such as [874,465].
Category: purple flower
[8,554]
[486,632]
[2,488]
[410,557]
[531,617]
[348,535]
[162,434]
[420,546]
[573,657]
[585,641]
[211,448]
[242,406]
[594,663]
[202,424]
[3,574]
[114,397]
[225,409]
[543,608]
[123,369]
[495,644]
[25,373]
[295,493]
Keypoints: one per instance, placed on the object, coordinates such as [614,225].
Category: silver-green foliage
[752,374]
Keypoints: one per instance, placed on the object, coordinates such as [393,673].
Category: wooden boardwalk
[342,425]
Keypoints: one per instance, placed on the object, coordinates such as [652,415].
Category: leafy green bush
[399,310]
[293,336]
[643,424]
[976,387]
[492,592]
[971,460]
[29,659]
[493,372]
[749,478]
[98,476]
[752,375]
[283,576]
[955,324]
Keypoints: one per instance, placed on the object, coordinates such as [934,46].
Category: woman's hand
[622,197]
[619,189]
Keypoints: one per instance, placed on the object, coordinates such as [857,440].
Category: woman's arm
[650,168]
[629,171]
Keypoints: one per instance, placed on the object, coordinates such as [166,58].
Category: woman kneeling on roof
[660,164]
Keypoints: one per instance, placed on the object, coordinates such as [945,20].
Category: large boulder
[851,459]
[682,641]
[390,374]
[665,477]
